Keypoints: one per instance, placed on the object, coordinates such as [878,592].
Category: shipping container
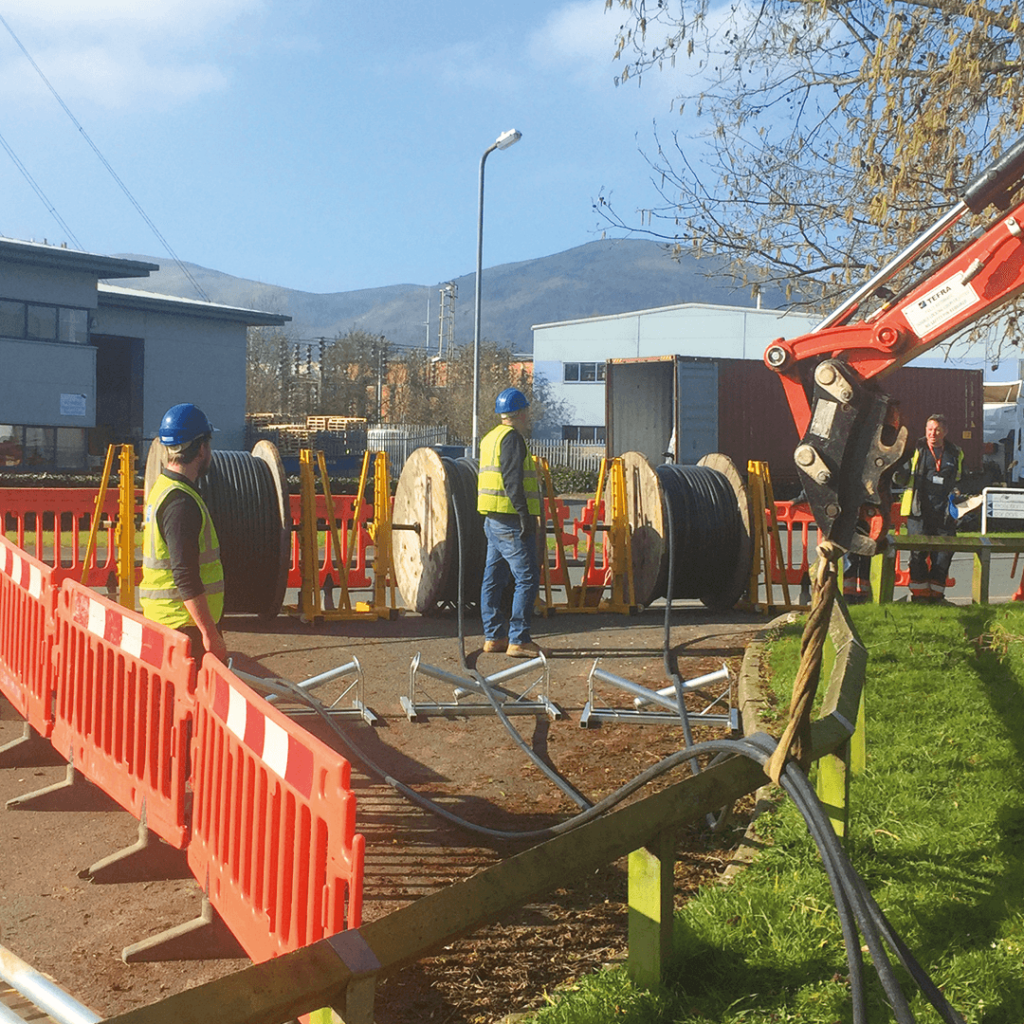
[680,408]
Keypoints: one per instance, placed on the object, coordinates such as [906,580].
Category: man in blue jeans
[508,494]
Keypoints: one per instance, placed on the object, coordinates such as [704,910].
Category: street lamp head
[509,138]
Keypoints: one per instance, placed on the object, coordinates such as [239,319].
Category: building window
[12,319]
[43,323]
[73,326]
[583,373]
[584,435]
[43,447]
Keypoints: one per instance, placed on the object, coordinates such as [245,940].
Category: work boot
[496,646]
[523,650]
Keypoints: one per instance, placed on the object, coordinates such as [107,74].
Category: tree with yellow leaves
[830,133]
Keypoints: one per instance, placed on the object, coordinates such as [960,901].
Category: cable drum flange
[247,496]
[425,541]
[707,509]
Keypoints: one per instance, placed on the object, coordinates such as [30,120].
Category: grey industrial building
[570,355]
[86,363]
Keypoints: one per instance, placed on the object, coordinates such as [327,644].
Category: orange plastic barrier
[273,827]
[123,706]
[797,521]
[597,573]
[28,601]
[53,525]
[557,518]
[344,505]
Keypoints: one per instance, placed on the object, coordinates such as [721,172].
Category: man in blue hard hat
[508,494]
[182,575]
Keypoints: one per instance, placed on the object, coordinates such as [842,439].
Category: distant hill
[601,277]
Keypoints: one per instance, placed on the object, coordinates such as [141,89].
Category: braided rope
[795,742]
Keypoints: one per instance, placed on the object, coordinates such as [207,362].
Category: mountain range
[598,278]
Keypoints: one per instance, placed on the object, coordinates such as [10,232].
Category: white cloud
[117,53]
[578,39]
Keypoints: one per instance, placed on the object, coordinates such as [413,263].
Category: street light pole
[504,140]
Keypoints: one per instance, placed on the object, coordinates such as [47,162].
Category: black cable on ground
[855,906]
[714,821]
[462,531]
[857,909]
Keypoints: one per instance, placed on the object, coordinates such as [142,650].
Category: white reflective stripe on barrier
[282,754]
[23,573]
[134,637]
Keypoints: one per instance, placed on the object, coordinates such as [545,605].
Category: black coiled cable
[468,540]
[705,521]
[242,498]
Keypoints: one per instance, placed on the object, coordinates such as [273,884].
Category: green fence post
[651,888]
[982,572]
[858,741]
[883,576]
[832,778]
[833,787]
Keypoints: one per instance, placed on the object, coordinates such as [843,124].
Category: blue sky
[322,144]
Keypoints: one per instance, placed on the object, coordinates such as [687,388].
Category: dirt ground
[75,930]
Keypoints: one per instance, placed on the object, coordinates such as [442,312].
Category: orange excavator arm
[850,433]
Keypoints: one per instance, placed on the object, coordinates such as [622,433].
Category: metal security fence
[570,454]
[400,440]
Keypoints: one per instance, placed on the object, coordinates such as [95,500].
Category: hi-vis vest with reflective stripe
[491,496]
[910,503]
[158,595]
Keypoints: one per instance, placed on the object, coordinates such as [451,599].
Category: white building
[86,363]
[570,355]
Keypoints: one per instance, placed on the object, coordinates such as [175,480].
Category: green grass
[937,832]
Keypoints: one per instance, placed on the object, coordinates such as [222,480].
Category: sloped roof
[58,257]
[113,295]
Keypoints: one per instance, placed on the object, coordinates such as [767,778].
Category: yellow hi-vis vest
[491,496]
[158,595]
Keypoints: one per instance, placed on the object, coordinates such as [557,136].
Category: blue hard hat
[184,423]
[510,400]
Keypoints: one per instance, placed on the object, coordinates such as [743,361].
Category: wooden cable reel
[426,524]
[247,496]
[708,510]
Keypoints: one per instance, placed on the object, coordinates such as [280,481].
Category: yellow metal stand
[586,597]
[124,535]
[311,606]
[766,541]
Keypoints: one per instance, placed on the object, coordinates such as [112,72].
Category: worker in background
[935,468]
[857,579]
[182,575]
[508,494]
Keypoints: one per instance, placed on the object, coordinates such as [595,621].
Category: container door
[639,417]
[697,410]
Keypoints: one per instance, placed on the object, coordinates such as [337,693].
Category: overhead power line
[103,160]
[39,192]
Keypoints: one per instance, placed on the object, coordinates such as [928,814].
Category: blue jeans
[509,556]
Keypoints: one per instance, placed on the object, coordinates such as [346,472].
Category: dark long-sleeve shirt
[180,522]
